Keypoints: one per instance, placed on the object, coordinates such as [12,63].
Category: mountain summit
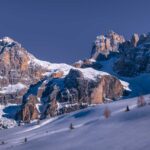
[104,44]
[18,69]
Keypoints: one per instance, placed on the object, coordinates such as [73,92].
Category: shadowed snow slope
[122,131]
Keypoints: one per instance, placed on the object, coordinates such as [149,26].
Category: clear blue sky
[63,30]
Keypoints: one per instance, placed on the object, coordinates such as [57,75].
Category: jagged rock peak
[104,44]
[135,39]
[11,48]
[109,41]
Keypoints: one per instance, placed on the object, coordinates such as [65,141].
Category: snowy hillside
[121,131]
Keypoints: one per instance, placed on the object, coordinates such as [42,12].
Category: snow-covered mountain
[18,70]
[49,89]
[45,95]
[129,61]
[43,89]
[132,56]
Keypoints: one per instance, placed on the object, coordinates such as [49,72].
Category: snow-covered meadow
[121,131]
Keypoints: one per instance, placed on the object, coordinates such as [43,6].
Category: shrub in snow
[141,101]
[107,112]
[71,126]
[2,142]
[127,109]
[25,140]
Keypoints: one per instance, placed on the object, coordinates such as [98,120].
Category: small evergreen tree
[127,108]
[25,139]
[71,126]
[2,142]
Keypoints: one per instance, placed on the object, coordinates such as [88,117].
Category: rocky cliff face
[105,44]
[76,90]
[28,110]
[134,56]
[104,47]
[18,69]
[108,88]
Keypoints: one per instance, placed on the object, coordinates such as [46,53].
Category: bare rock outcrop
[51,109]
[134,56]
[29,111]
[108,87]
[105,44]
[94,92]
[135,39]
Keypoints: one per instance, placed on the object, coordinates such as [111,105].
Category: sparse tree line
[140,103]
[107,112]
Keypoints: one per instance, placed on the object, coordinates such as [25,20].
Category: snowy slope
[88,73]
[122,131]
[34,61]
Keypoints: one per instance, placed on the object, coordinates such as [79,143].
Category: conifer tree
[71,126]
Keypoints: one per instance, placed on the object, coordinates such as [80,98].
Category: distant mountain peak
[104,44]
